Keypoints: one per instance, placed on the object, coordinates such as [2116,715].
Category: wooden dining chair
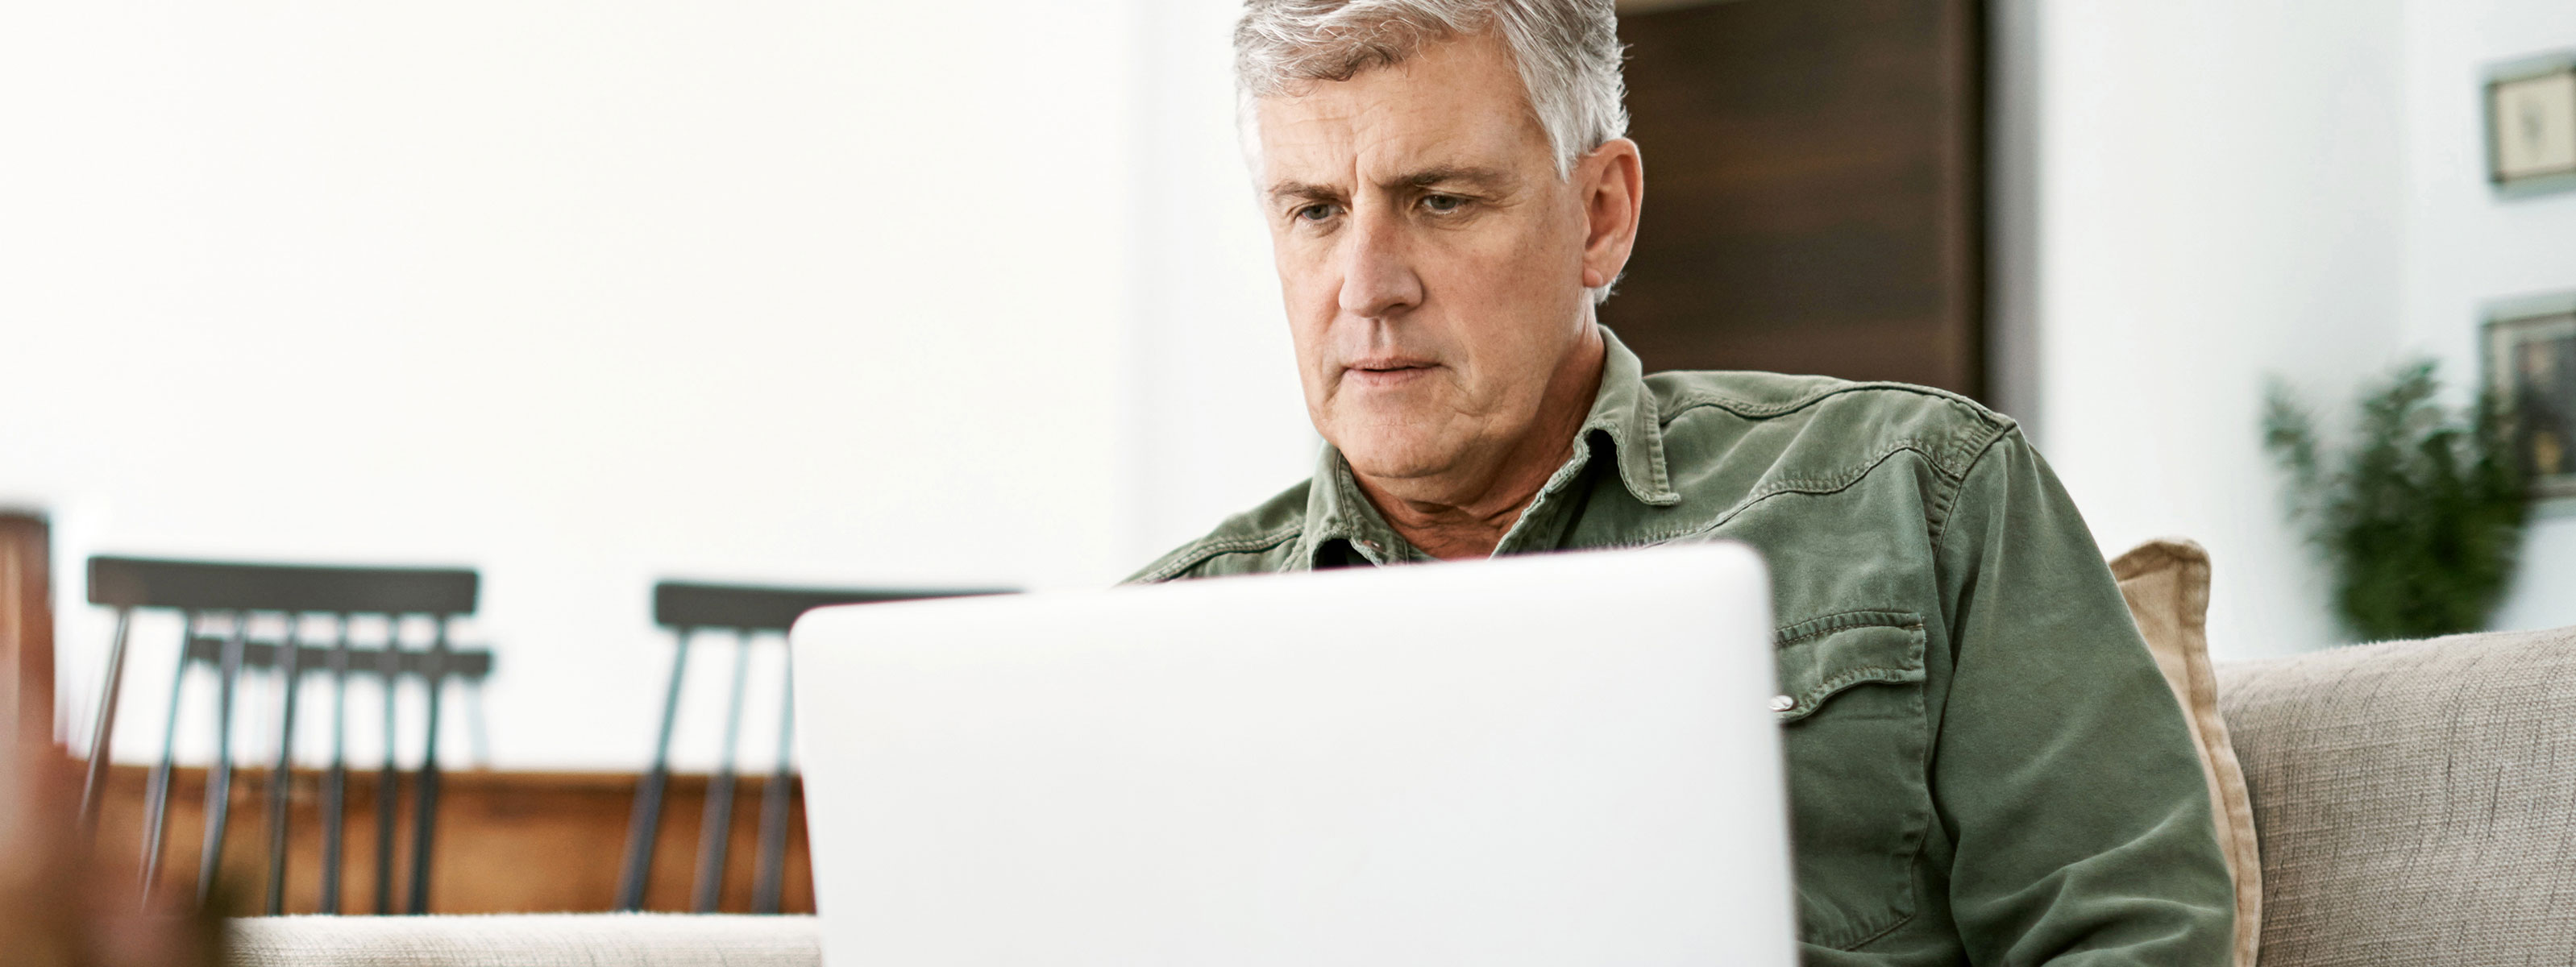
[745,614]
[200,591]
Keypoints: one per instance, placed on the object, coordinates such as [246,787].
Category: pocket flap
[1821,657]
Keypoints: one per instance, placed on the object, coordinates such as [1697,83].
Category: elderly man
[1984,765]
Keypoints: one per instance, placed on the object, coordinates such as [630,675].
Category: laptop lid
[1561,759]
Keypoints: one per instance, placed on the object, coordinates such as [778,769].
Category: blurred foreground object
[26,628]
[60,903]
[2421,520]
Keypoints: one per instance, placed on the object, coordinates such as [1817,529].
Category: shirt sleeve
[2062,769]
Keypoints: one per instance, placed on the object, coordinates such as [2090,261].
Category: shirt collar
[1627,411]
[1341,521]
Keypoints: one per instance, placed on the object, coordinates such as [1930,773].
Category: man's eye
[1443,204]
[1316,212]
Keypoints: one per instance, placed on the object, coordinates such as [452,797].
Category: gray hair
[1567,52]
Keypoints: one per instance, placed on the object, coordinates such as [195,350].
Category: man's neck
[1467,515]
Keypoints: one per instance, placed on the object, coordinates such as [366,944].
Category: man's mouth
[1380,374]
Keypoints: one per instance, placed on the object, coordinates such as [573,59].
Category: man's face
[1431,259]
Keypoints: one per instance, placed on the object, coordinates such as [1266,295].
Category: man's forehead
[1307,141]
[1457,105]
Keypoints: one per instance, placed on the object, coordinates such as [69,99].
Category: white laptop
[1559,760]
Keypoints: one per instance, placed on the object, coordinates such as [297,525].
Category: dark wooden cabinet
[1814,176]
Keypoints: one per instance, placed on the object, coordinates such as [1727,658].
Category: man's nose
[1378,280]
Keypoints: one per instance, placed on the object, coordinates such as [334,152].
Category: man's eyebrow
[1300,189]
[1477,176]
[1471,175]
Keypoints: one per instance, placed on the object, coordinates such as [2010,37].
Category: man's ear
[1613,182]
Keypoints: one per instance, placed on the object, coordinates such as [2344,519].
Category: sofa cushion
[2417,799]
[2167,585]
[558,940]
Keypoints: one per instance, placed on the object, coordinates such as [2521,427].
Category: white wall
[2215,192]
[2214,203]
[587,294]
[1219,421]
[2466,247]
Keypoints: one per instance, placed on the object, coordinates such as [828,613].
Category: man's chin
[1394,454]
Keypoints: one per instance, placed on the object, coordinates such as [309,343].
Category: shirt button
[1783,703]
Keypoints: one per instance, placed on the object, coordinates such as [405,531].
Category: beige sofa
[2411,803]
[553,940]
[2416,800]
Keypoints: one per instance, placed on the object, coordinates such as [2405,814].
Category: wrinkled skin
[1435,268]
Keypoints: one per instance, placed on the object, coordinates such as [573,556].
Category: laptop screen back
[1564,759]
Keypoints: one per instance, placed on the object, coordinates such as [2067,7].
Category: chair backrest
[748,613]
[203,590]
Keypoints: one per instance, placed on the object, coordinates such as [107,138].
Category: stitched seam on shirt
[1852,476]
[1981,422]
[1811,486]
[1232,545]
[1900,921]
[1826,624]
[1813,697]
[1689,400]
[1923,836]
[1949,499]
[1826,485]
[1972,445]
[1866,673]
[1811,701]
[1748,408]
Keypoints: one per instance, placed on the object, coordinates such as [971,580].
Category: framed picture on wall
[2531,359]
[2531,125]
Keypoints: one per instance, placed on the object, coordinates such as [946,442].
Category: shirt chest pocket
[1856,743]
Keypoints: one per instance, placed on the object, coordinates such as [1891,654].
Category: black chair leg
[388,781]
[291,674]
[424,812]
[102,734]
[771,872]
[219,776]
[646,822]
[335,785]
[715,828]
[156,798]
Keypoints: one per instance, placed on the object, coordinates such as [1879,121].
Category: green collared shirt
[1984,764]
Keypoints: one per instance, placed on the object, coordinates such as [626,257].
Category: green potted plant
[2420,519]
